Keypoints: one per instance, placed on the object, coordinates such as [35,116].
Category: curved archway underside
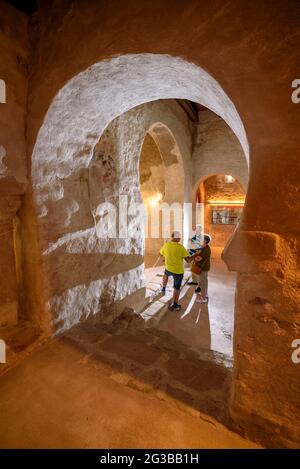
[75,259]
[91,100]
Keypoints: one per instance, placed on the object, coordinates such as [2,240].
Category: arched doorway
[219,202]
[222,198]
[90,102]
[162,184]
[266,279]
[153,191]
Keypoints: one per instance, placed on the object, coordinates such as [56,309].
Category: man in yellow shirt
[174,253]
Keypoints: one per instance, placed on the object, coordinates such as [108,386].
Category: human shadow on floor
[191,324]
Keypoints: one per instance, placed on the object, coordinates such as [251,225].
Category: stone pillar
[265,387]
[200,210]
[8,283]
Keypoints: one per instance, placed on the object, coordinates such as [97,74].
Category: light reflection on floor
[200,326]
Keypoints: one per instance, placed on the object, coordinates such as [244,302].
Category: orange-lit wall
[217,190]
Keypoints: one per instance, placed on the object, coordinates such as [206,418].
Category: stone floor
[200,326]
[126,385]
[104,386]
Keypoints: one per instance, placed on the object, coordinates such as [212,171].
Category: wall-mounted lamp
[229,179]
[155,199]
[236,203]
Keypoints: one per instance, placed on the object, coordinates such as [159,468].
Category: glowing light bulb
[155,199]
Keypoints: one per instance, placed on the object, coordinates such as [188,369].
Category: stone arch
[173,162]
[79,113]
[226,193]
[203,178]
[174,174]
[106,90]
[217,150]
[201,208]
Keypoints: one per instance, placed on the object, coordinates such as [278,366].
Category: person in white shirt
[195,243]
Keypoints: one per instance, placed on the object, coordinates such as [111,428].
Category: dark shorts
[177,279]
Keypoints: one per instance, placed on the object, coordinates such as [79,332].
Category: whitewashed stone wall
[217,150]
[87,275]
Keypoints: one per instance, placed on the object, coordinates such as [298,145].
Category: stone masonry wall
[88,276]
[152,179]
[82,76]
[217,150]
[13,177]
[14,72]
[217,189]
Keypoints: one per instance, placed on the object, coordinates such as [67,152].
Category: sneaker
[198,290]
[202,301]
[175,306]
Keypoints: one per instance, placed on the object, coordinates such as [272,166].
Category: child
[202,261]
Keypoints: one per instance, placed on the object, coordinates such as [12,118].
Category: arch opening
[64,150]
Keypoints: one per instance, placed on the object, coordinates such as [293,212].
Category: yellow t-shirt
[174,254]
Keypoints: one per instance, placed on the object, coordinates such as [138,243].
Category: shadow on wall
[64,149]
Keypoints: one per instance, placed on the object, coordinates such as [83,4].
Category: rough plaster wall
[13,76]
[86,105]
[216,189]
[254,58]
[79,114]
[76,261]
[151,169]
[168,176]
[13,70]
[217,150]
[152,179]
[177,172]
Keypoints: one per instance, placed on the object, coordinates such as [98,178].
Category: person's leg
[198,289]
[165,281]
[176,289]
[202,297]
[176,295]
[194,279]
[205,284]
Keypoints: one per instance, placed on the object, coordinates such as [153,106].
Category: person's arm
[162,253]
[191,258]
[186,255]
[204,256]
[196,254]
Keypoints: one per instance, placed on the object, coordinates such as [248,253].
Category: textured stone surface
[125,397]
[82,268]
[252,251]
[8,281]
[163,170]
[14,72]
[152,179]
[217,150]
[216,190]
[77,57]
